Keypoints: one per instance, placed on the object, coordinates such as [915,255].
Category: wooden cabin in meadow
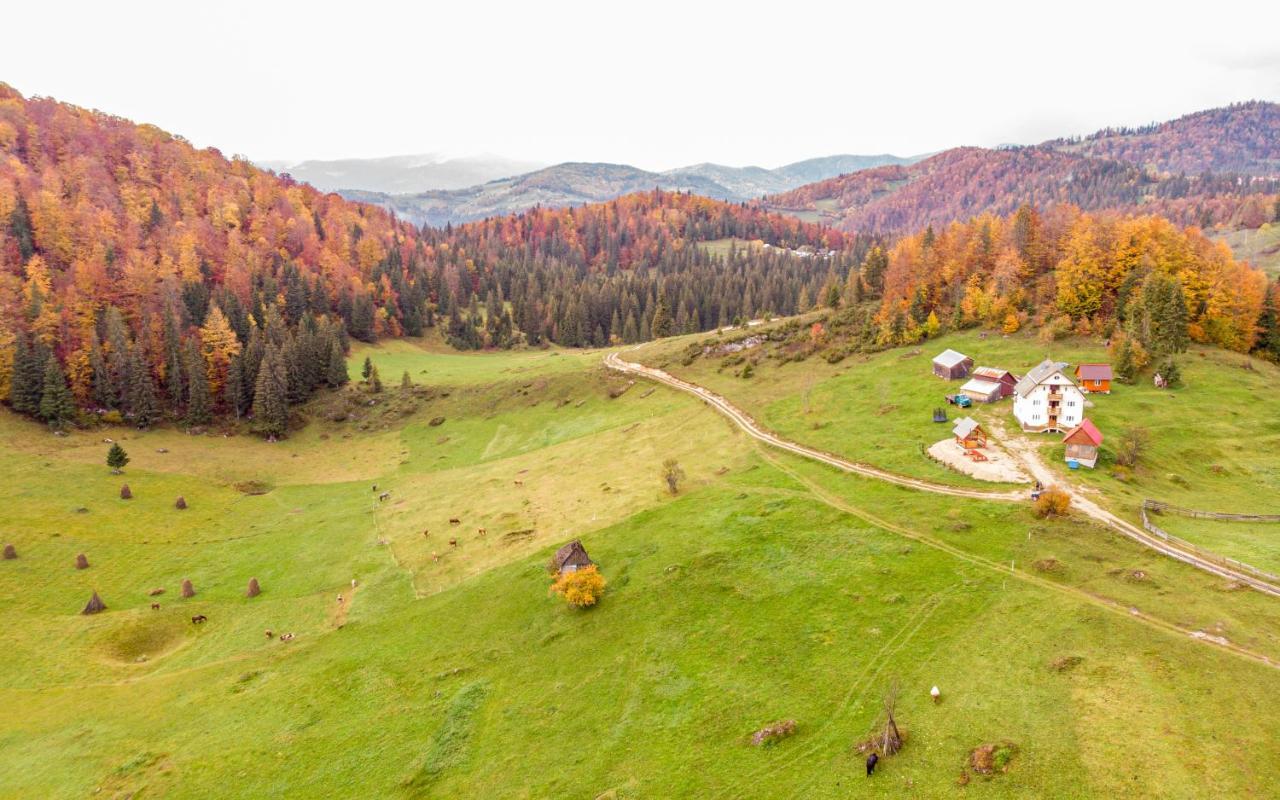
[570,558]
[952,365]
[1082,443]
[969,434]
[1004,377]
[1094,378]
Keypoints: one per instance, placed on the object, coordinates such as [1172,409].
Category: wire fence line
[1157,507]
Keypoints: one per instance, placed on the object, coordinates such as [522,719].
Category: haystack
[125,494]
[180,503]
[94,605]
[187,589]
[82,561]
[254,589]
[10,552]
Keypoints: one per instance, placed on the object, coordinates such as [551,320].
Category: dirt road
[1017,446]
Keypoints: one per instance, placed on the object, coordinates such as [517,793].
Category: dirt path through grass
[1020,449]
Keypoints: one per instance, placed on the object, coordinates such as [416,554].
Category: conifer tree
[270,404]
[337,371]
[405,381]
[367,369]
[661,325]
[375,381]
[117,458]
[57,406]
[199,400]
[233,393]
[144,407]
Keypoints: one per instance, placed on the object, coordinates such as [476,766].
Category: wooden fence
[1156,507]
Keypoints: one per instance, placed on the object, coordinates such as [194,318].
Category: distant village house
[1046,400]
[1082,444]
[1094,378]
[952,365]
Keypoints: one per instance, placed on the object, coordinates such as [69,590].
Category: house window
[1071,402]
[1035,402]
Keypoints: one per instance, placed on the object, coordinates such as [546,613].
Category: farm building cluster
[1047,399]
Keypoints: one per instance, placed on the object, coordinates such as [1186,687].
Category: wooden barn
[1082,443]
[969,434]
[952,365]
[1004,377]
[1094,378]
[570,558]
[981,390]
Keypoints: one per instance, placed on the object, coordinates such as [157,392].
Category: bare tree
[672,474]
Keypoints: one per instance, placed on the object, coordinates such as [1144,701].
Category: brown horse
[199,619]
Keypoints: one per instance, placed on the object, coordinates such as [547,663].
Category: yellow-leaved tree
[580,588]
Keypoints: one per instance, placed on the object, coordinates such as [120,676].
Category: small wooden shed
[570,558]
[1082,443]
[1094,378]
[951,365]
[969,434]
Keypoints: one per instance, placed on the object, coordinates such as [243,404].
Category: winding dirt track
[1027,455]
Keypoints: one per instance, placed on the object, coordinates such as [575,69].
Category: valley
[769,587]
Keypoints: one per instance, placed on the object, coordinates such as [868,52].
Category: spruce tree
[375,381]
[233,393]
[270,406]
[117,458]
[144,408]
[57,406]
[199,401]
[367,369]
[661,325]
[405,381]
[337,372]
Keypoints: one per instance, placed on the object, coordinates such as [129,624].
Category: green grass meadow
[770,588]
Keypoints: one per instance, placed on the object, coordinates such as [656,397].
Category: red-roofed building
[1082,443]
[1094,378]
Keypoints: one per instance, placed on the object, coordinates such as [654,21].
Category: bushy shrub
[580,588]
[1053,502]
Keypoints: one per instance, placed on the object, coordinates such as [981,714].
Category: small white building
[1047,400]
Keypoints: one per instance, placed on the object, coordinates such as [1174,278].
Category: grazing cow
[871,763]
[384,496]
[270,634]
[519,483]
[453,542]
[286,637]
[425,531]
[935,694]
[353,583]
[199,619]
[155,606]
[339,598]
[454,521]
[435,556]
[375,487]
[480,531]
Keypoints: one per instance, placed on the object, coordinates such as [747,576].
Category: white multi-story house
[1047,400]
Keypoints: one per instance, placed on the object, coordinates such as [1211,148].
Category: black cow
[872,760]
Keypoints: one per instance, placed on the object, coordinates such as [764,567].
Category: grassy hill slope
[770,588]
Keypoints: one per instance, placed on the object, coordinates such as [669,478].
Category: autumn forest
[143,279]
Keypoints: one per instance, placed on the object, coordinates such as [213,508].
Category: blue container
[1073,464]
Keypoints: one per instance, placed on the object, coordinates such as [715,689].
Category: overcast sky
[656,84]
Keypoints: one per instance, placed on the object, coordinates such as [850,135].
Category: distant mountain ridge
[401,174]
[577,183]
[1208,167]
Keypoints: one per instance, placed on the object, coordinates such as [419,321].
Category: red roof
[1094,372]
[1084,433]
